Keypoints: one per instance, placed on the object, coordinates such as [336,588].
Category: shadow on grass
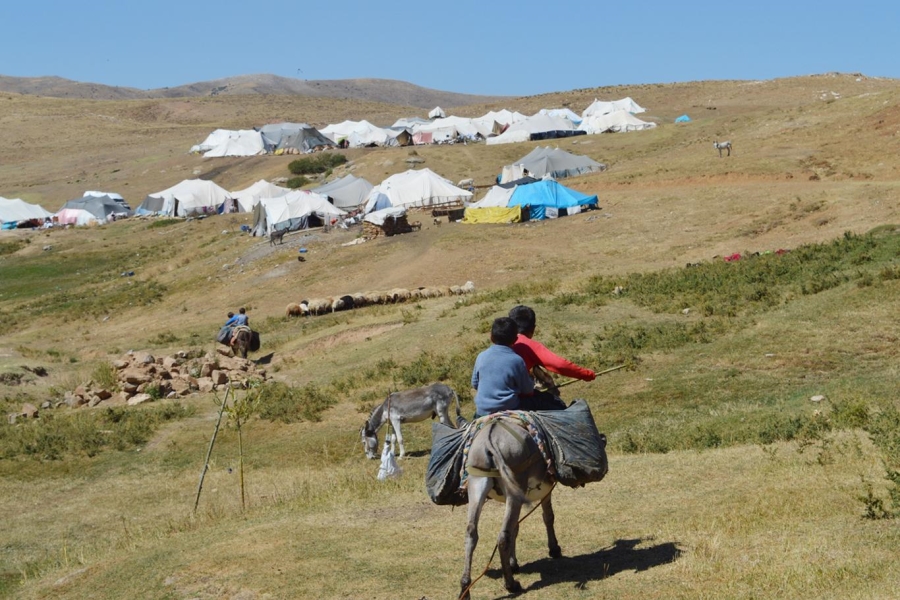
[623,555]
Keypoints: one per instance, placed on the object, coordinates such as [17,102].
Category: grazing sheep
[342,303]
[293,310]
[456,290]
[444,290]
[360,300]
[318,306]
[468,288]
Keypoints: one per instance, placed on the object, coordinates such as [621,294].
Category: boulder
[219,377]
[139,399]
[29,411]
[170,361]
[205,384]
[135,377]
[103,394]
[120,364]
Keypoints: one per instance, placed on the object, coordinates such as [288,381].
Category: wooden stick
[209,451]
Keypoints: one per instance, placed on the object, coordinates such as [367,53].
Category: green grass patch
[316,163]
[84,433]
[162,222]
[13,246]
[280,402]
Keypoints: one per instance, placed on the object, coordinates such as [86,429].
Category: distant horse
[504,463]
[277,235]
[408,406]
[722,146]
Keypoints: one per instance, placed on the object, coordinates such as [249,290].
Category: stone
[817,398]
[11,418]
[139,399]
[207,368]
[29,411]
[135,377]
[169,362]
[94,400]
[103,394]
[219,377]
[46,404]
[224,351]
[129,388]
[205,384]
[120,364]
[80,391]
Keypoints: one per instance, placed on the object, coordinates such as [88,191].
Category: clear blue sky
[480,47]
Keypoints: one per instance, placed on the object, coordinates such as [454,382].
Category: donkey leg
[506,542]
[478,491]
[549,518]
[395,421]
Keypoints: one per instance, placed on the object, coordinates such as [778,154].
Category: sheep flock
[320,306]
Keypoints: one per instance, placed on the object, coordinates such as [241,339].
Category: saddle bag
[442,476]
[224,335]
[578,449]
[254,341]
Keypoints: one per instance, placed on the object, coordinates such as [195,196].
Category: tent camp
[556,163]
[503,118]
[295,210]
[290,138]
[14,211]
[412,188]
[544,199]
[348,192]
[619,121]
[437,113]
[683,119]
[224,142]
[602,107]
[117,197]
[408,122]
[538,127]
[190,197]
[451,128]
[249,197]
[90,210]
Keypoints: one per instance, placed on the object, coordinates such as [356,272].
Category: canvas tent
[603,107]
[348,192]
[557,163]
[564,113]
[451,128]
[247,198]
[90,210]
[16,210]
[223,142]
[412,188]
[619,121]
[503,118]
[360,134]
[437,113]
[279,138]
[537,127]
[543,199]
[292,211]
[191,196]
[117,197]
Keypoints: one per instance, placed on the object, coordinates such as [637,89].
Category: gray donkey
[408,406]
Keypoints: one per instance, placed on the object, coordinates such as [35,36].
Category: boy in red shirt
[535,354]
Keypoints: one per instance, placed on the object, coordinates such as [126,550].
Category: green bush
[281,402]
[317,163]
[163,223]
[296,182]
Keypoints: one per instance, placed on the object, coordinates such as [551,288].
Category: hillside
[364,90]
[726,481]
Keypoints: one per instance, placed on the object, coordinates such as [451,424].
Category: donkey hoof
[514,566]
[514,588]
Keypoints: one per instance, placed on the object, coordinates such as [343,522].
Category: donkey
[504,463]
[722,146]
[408,406]
[277,234]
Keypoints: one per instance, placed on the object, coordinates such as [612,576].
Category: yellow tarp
[494,214]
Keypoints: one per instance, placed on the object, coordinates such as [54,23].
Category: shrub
[104,375]
[296,182]
[281,402]
[317,163]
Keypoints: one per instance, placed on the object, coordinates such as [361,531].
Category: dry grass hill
[726,480]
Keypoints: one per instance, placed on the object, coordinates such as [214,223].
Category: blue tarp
[683,119]
[548,193]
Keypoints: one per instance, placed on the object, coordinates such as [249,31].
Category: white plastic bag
[389,467]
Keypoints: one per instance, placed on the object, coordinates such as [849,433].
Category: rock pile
[142,377]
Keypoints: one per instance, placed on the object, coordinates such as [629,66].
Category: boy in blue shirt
[500,377]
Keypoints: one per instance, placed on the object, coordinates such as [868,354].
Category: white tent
[15,210]
[563,113]
[503,117]
[292,210]
[536,127]
[411,188]
[602,107]
[615,122]
[437,113]
[244,142]
[216,138]
[409,122]
[191,196]
[496,197]
[347,192]
[360,134]
[247,198]
[453,127]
